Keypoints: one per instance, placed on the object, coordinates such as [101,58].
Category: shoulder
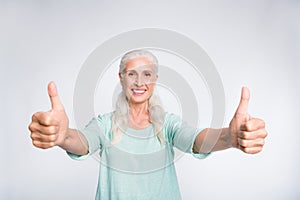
[171,118]
[105,117]
[105,121]
[172,122]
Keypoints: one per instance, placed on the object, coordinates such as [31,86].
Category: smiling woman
[138,74]
[136,140]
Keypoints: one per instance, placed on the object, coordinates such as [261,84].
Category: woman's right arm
[75,142]
[51,128]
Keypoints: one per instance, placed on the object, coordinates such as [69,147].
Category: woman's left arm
[244,132]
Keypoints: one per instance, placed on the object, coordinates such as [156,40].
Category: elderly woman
[136,140]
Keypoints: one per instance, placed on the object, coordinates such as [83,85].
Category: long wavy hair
[122,110]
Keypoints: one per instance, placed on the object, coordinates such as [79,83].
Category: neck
[139,115]
[137,109]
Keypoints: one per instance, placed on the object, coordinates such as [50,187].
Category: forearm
[75,142]
[210,140]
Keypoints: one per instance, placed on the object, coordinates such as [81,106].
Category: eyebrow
[132,70]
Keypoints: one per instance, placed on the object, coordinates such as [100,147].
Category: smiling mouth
[138,91]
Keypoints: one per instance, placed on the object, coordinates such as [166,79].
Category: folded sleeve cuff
[78,157]
[198,155]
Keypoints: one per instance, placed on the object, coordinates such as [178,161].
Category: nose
[139,81]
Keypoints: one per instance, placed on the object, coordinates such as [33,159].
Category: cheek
[125,84]
[151,87]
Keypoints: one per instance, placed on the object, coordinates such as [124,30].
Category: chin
[138,100]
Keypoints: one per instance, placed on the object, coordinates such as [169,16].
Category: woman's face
[138,79]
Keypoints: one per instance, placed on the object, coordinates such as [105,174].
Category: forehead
[138,63]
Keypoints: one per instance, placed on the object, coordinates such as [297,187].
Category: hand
[247,133]
[49,128]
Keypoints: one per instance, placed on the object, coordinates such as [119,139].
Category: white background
[252,43]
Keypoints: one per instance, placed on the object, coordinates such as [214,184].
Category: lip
[138,91]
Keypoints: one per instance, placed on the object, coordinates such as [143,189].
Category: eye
[147,74]
[131,74]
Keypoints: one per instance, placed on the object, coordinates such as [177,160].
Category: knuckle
[52,138]
[43,146]
[47,145]
[34,116]
[52,129]
[249,151]
[248,125]
[265,134]
[245,150]
[256,150]
[262,142]
[31,127]
[259,150]
[51,144]
[47,119]
[245,135]
[242,134]
[36,143]
[243,142]
[32,136]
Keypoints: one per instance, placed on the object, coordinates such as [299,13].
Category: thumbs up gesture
[49,128]
[247,133]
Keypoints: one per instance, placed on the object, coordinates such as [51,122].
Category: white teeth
[139,91]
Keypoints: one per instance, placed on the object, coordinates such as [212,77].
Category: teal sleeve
[198,155]
[94,133]
[182,135]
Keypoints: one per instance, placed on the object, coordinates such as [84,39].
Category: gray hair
[138,53]
[121,113]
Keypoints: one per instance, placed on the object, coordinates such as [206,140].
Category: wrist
[64,138]
[233,138]
[228,137]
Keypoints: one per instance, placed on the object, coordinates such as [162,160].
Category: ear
[156,77]
[121,79]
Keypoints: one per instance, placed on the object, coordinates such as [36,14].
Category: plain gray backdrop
[252,43]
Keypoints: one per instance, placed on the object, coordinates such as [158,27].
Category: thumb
[242,109]
[54,98]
